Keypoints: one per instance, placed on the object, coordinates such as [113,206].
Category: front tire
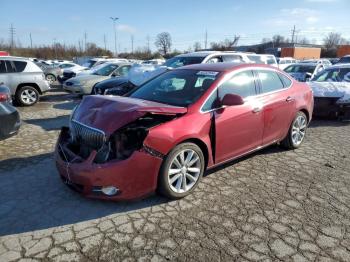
[181,171]
[296,133]
[27,96]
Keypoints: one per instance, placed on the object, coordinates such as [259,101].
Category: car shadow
[273,149]
[33,197]
[49,124]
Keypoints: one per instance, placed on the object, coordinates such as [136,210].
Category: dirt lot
[273,205]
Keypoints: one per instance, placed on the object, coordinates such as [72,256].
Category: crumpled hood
[330,89]
[85,78]
[109,113]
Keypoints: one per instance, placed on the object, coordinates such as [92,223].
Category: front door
[238,129]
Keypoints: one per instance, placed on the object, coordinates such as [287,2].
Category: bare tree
[332,40]
[197,46]
[304,41]
[163,43]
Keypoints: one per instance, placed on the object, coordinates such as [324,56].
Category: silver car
[24,78]
[84,84]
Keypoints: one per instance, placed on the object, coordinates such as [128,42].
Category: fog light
[109,190]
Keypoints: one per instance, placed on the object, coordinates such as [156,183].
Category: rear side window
[2,67]
[10,67]
[232,58]
[270,81]
[20,65]
[242,84]
[286,81]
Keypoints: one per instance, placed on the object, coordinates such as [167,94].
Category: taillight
[4,97]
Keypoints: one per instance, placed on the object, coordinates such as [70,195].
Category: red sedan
[166,133]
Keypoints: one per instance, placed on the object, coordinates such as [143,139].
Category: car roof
[15,58]
[339,66]
[223,67]
[206,53]
[307,64]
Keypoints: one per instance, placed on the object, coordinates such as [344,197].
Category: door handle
[257,109]
[289,99]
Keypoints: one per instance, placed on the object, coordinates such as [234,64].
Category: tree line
[163,44]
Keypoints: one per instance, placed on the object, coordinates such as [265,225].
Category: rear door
[278,104]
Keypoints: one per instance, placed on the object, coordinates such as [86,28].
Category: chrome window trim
[230,75]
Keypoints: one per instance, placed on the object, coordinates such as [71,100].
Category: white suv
[24,78]
[203,57]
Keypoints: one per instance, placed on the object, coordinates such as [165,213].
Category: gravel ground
[274,205]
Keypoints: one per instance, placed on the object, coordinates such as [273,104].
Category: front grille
[87,136]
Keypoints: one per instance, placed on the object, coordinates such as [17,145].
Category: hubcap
[28,96]
[298,130]
[184,171]
[50,79]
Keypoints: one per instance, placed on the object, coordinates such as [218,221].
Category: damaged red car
[163,135]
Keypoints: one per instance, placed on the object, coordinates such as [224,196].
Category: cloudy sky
[186,20]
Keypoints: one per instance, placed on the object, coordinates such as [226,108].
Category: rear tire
[27,96]
[181,171]
[296,132]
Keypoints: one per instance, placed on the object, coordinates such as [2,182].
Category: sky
[186,20]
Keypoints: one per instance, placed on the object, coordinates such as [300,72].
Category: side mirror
[114,74]
[232,100]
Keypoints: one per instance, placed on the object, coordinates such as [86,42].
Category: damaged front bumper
[134,177]
[330,107]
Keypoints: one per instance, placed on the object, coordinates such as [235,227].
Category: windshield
[105,70]
[333,75]
[89,63]
[300,69]
[182,61]
[178,87]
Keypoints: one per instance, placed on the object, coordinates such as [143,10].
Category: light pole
[114,19]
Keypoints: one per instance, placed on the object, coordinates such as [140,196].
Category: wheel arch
[201,145]
[29,84]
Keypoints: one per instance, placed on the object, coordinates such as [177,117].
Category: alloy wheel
[299,130]
[28,97]
[184,171]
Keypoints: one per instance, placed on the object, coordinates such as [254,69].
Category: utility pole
[148,47]
[31,41]
[294,32]
[55,46]
[132,44]
[12,35]
[206,39]
[114,19]
[85,37]
[105,41]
